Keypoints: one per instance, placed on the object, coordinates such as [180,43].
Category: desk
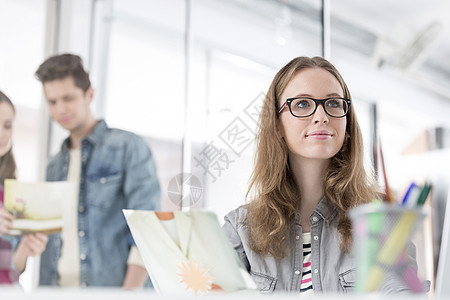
[116,293]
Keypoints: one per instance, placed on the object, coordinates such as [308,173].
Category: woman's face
[318,136]
[6,127]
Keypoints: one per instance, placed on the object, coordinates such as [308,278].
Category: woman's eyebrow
[310,96]
[302,95]
[333,95]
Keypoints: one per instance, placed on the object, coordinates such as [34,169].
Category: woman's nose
[320,116]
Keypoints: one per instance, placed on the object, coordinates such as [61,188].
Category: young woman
[32,244]
[295,235]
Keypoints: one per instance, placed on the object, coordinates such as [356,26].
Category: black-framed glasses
[302,107]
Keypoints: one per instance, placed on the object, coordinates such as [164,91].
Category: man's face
[69,105]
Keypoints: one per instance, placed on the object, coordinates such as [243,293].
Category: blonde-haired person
[11,265]
[295,234]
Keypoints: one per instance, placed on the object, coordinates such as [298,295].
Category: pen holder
[381,234]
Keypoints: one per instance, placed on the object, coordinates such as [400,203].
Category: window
[20,55]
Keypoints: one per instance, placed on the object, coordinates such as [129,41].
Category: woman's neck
[309,175]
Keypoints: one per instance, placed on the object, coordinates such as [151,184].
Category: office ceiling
[411,37]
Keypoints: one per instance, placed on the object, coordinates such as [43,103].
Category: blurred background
[190,75]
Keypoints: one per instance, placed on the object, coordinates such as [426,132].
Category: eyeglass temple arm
[282,107]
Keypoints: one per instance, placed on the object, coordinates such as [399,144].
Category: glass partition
[145,80]
[238,47]
[20,54]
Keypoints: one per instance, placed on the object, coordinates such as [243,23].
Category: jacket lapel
[163,234]
[184,225]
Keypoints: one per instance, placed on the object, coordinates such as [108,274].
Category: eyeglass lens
[302,107]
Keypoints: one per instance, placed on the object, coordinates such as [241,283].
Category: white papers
[37,206]
[200,260]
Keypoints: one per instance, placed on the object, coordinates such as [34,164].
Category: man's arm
[141,185]
[135,278]
[142,191]
[136,275]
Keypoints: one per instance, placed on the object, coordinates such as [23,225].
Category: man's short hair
[61,66]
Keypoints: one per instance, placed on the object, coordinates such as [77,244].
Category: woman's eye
[302,104]
[334,103]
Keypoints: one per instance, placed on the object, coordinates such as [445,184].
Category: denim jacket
[117,171]
[332,270]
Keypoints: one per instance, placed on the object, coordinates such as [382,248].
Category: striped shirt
[8,275]
[306,284]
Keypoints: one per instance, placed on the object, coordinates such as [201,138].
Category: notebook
[187,252]
[443,272]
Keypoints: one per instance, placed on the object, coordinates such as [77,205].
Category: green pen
[424,194]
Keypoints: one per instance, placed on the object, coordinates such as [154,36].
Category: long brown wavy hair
[273,194]
[8,168]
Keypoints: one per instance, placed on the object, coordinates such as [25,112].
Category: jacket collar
[94,137]
[325,209]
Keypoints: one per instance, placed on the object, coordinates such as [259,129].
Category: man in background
[114,169]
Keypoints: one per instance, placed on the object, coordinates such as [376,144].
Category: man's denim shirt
[117,171]
[332,270]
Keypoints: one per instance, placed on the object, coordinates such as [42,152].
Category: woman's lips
[320,135]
